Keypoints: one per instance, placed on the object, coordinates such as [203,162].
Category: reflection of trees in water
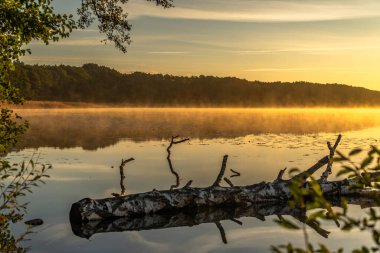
[92,129]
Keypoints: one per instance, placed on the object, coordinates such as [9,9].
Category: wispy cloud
[73,42]
[292,69]
[305,50]
[263,11]
[168,52]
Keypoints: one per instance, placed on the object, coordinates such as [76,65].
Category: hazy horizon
[290,40]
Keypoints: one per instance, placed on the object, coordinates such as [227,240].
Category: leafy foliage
[111,18]
[10,129]
[21,22]
[310,197]
[15,181]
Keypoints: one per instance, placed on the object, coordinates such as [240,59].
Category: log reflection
[193,217]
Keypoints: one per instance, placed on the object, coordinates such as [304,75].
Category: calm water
[86,146]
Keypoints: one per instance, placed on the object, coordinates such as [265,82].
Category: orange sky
[335,41]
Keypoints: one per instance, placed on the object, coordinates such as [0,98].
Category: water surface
[86,146]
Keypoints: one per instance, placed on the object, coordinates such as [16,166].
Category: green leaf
[275,249]
[287,224]
[315,215]
[355,151]
[366,162]
[341,157]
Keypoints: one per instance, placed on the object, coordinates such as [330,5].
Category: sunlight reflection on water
[85,147]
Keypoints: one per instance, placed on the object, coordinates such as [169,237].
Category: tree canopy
[111,18]
[22,21]
[93,83]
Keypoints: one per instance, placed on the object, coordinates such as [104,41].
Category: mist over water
[95,128]
[86,146]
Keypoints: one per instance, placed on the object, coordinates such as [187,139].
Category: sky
[325,41]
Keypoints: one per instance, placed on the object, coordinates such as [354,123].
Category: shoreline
[86,105]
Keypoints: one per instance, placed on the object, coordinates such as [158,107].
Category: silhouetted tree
[93,83]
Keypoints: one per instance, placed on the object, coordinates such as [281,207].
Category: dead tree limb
[168,149]
[280,175]
[222,233]
[228,182]
[237,221]
[188,184]
[192,217]
[332,149]
[214,196]
[221,172]
[122,177]
[235,173]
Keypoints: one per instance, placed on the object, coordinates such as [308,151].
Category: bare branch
[305,174]
[325,160]
[327,172]
[180,141]
[222,233]
[168,149]
[228,182]
[221,173]
[188,184]
[236,173]
[122,177]
[237,221]
[112,19]
[279,177]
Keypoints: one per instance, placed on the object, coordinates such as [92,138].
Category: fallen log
[189,217]
[215,196]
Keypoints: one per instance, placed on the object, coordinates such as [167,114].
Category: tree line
[99,84]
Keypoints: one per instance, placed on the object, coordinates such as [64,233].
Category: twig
[317,228]
[337,223]
[325,160]
[236,173]
[327,172]
[168,149]
[237,221]
[279,177]
[124,162]
[122,177]
[173,142]
[221,173]
[311,223]
[307,173]
[228,182]
[222,233]
[188,184]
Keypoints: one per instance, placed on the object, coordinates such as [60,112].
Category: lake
[85,147]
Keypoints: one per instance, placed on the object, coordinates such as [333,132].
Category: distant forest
[93,83]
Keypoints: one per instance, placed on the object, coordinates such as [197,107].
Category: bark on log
[190,217]
[215,196]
